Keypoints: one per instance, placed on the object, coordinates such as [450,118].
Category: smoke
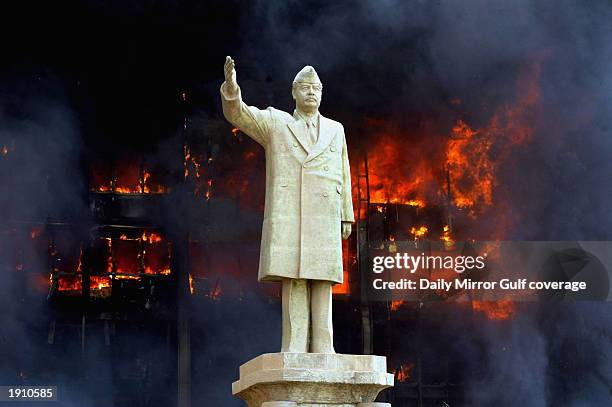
[42,136]
[403,61]
[43,149]
[400,61]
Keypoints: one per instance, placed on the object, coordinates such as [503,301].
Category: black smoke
[81,79]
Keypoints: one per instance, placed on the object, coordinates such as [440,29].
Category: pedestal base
[313,380]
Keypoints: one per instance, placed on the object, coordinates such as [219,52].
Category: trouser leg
[296,315]
[321,315]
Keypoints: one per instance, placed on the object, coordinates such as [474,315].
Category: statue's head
[307,90]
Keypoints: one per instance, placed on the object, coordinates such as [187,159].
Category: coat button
[295,144]
[325,193]
[332,149]
[326,168]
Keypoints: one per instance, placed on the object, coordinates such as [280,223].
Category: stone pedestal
[313,380]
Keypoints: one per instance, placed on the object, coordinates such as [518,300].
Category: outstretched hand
[230,75]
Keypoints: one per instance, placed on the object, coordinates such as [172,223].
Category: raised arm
[250,120]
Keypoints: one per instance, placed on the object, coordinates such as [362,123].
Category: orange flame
[397,173]
[109,259]
[190,159]
[69,283]
[495,310]
[151,238]
[99,282]
[466,164]
[469,154]
[191,289]
[79,268]
[395,305]
[126,277]
[129,180]
[419,232]
[446,236]
[35,232]
[403,373]
[469,166]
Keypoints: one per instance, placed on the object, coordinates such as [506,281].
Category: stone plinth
[312,380]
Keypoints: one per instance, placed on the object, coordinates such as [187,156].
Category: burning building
[131,212]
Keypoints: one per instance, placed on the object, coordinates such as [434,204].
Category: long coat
[308,192]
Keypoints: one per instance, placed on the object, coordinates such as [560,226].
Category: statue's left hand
[346,230]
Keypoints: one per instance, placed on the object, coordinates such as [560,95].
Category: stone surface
[308,204]
[313,380]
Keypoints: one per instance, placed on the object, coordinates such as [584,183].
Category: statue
[308,205]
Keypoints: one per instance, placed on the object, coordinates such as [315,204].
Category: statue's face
[307,95]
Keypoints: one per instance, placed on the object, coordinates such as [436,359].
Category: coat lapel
[326,135]
[295,127]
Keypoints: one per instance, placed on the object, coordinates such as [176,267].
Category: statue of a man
[308,206]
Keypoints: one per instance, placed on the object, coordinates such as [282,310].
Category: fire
[145,177]
[470,167]
[344,288]
[165,272]
[126,277]
[191,289]
[69,283]
[215,293]
[4,150]
[100,286]
[446,236]
[99,282]
[109,259]
[190,159]
[235,131]
[127,179]
[151,238]
[455,167]
[397,173]
[416,202]
[79,268]
[395,305]
[209,184]
[128,256]
[35,232]
[495,310]
[473,156]
[419,232]
[202,163]
[403,373]
[156,258]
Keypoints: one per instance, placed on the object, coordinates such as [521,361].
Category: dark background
[80,79]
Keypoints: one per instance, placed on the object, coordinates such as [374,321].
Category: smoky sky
[405,61]
[81,78]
